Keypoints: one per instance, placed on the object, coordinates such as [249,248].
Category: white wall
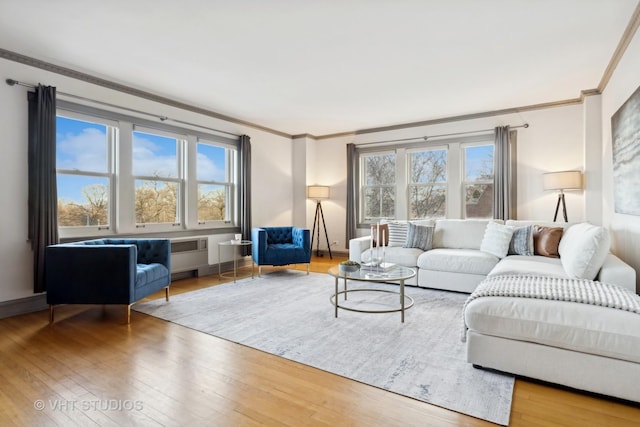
[554,141]
[625,228]
[272,198]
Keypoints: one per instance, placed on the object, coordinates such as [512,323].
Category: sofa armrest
[154,251]
[357,246]
[302,238]
[617,272]
[259,246]
[90,274]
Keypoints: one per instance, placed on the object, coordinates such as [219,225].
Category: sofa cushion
[419,236]
[546,240]
[537,264]
[583,249]
[459,233]
[467,261]
[407,257]
[521,241]
[496,239]
[580,327]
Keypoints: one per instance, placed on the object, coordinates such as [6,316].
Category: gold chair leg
[50,313]
[129,313]
[308,265]
[259,270]
[166,293]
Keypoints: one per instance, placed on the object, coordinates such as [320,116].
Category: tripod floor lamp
[562,181]
[318,193]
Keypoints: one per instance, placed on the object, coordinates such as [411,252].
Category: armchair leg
[50,313]
[259,270]
[308,265]
[166,293]
[129,313]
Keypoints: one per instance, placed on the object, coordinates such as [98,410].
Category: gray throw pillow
[419,236]
[522,241]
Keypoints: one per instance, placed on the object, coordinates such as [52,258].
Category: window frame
[463,179]
[411,184]
[122,187]
[362,186]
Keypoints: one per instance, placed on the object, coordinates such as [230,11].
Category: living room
[565,132]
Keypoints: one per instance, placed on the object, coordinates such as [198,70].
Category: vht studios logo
[89,405]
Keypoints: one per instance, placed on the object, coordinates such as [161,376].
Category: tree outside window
[478,181]
[427,183]
[379,189]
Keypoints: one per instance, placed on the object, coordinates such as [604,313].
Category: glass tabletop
[398,272]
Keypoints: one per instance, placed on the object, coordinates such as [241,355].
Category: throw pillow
[496,239]
[398,233]
[521,241]
[546,241]
[419,236]
[583,249]
[384,231]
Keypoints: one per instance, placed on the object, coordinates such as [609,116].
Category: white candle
[378,240]
[371,243]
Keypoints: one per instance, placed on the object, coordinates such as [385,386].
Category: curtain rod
[13,82]
[427,137]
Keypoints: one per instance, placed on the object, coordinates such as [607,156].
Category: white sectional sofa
[575,344]
[456,262]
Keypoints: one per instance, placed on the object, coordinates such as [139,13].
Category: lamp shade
[563,180]
[318,192]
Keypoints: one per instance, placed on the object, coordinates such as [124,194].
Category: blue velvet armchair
[281,246]
[107,271]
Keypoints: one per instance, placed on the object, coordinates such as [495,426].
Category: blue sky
[83,146]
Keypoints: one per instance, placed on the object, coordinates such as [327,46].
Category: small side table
[235,246]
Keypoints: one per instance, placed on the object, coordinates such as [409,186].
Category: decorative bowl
[348,266]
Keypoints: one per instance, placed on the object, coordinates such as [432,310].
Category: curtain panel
[505,177]
[42,196]
[352,193]
[245,191]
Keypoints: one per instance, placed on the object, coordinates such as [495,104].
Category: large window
[84,172]
[118,174]
[450,178]
[157,175]
[379,186]
[478,181]
[215,182]
[427,183]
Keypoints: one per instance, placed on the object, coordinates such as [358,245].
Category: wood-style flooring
[91,368]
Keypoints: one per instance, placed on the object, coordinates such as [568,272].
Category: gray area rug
[288,313]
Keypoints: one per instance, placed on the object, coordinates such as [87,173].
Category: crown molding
[627,36]
[88,78]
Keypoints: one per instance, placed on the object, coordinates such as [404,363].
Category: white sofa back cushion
[459,233]
[583,249]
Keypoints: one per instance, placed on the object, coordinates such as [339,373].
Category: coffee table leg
[335,298]
[345,288]
[402,300]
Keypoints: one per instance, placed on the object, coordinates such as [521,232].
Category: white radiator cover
[189,253]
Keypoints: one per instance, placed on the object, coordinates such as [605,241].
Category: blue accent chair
[281,246]
[107,271]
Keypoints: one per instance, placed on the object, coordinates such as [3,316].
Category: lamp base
[564,208]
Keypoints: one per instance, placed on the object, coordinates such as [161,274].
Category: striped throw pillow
[398,233]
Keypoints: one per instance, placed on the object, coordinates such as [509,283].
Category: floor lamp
[319,192]
[562,181]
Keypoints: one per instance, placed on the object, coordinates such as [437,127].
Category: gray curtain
[504,176]
[245,190]
[352,193]
[43,195]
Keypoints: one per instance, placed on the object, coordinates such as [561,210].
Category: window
[84,173]
[118,174]
[427,183]
[379,186]
[215,186]
[447,178]
[478,181]
[157,177]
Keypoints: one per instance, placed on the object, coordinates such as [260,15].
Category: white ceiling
[322,67]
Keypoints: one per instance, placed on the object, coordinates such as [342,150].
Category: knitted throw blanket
[555,288]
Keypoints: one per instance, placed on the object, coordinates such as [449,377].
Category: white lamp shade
[318,192]
[563,180]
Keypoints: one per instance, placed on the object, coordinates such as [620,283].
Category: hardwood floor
[91,368]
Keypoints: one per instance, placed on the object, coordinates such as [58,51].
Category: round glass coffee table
[397,274]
